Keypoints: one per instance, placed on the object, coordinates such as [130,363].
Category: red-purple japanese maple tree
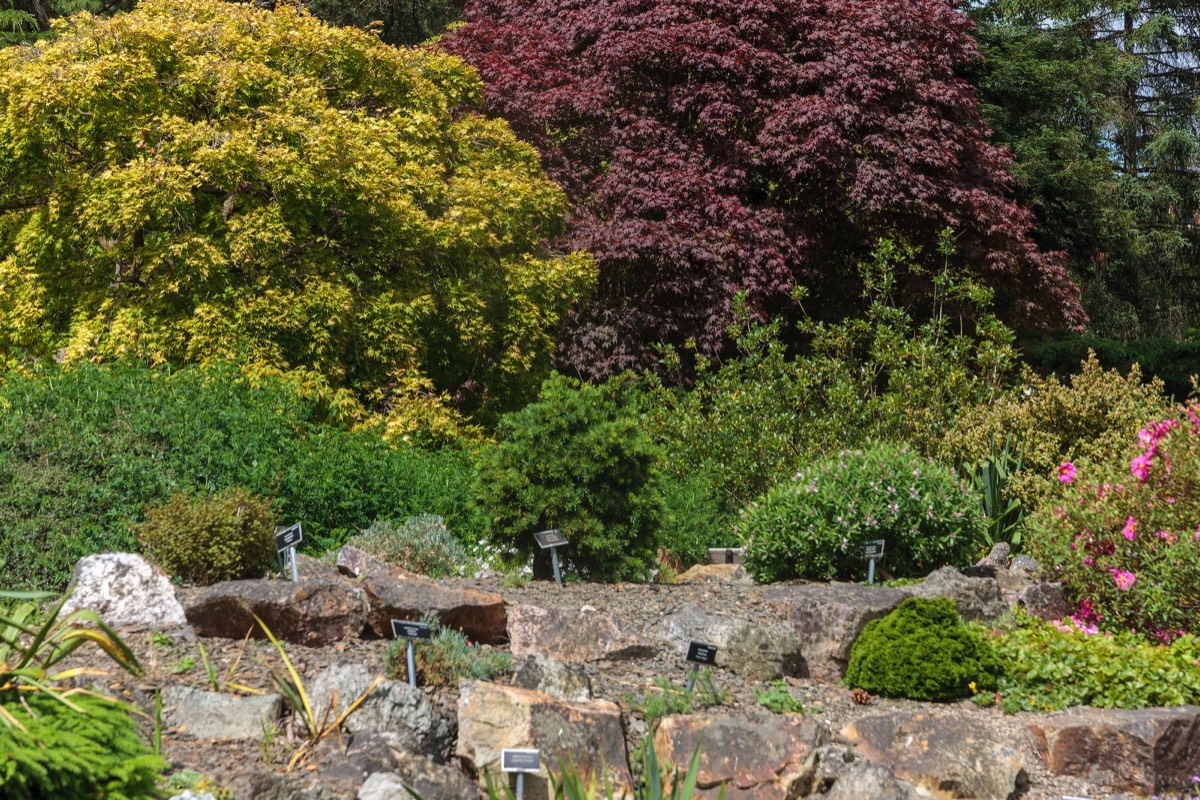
[717,146]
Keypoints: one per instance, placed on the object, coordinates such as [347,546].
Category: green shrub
[422,545]
[1122,534]
[815,524]
[1167,360]
[227,536]
[922,651]
[574,461]
[93,752]
[445,659]
[778,698]
[84,450]
[694,519]
[670,698]
[1055,666]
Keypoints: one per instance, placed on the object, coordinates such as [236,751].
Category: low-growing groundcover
[923,651]
[815,524]
[85,449]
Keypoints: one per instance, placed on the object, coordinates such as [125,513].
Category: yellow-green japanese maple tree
[198,179]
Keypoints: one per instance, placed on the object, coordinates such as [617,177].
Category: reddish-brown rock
[314,612]
[572,636]
[480,615]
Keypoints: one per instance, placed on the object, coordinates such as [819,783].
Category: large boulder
[754,755]
[572,636]
[393,708]
[478,614]
[758,651]
[1144,751]
[1045,601]
[493,717]
[126,591]
[975,598]
[828,618]
[213,716]
[315,612]
[944,756]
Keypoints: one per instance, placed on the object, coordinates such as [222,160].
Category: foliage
[922,651]
[205,179]
[1057,666]
[575,461]
[748,422]
[666,697]
[84,449]
[777,698]
[815,524]
[227,536]
[1122,535]
[398,22]
[1169,361]
[694,517]
[445,659]
[748,146]
[422,545]
[1090,416]
[91,750]
[990,478]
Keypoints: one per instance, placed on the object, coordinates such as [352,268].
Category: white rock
[127,591]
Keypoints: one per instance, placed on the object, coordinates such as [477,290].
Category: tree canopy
[198,179]
[725,146]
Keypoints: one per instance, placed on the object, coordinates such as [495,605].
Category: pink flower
[1066,472]
[1130,529]
[1123,579]
[1140,467]
[1166,536]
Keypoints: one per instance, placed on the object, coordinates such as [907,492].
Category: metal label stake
[403,629]
[699,653]
[552,540]
[872,550]
[286,540]
[520,762]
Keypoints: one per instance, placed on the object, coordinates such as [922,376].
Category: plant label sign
[700,653]
[550,538]
[403,629]
[873,549]
[528,760]
[288,537]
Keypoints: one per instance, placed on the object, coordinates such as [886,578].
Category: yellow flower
[972,687]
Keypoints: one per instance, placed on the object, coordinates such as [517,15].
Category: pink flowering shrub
[1124,534]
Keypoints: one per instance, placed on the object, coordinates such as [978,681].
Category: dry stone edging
[314,612]
[572,636]
[126,591]
[1146,751]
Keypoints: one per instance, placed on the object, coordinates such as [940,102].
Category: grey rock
[994,562]
[841,775]
[1144,751]
[393,708]
[213,716]
[828,618]
[942,754]
[544,674]
[126,591]
[1025,563]
[757,651]
[188,794]
[723,574]
[1045,601]
[314,612]
[975,598]
[573,636]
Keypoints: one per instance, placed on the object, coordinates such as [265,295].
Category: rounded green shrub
[223,537]
[60,752]
[922,651]
[574,460]
[815,524]
[422,545]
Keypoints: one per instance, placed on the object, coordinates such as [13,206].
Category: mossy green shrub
[85,449]
[575,461]
[227,536]
[922,651]
[422,545]
[63,753]
[1056,665]
[814,525]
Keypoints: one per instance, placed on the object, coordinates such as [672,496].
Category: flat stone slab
[828,618]
[572,636]
[944,756]
[314,612]
[214,716]
[753,755]
[478,614]
[1144,751]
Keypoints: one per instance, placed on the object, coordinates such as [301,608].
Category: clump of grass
[445,659]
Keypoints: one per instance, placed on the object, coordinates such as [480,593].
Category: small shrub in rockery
[1122,534]
[422,545]
[815,524]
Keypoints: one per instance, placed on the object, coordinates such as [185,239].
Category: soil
[178,660]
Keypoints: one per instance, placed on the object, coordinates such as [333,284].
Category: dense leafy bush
[1169,361]
[923,651]
[1090,416]
[60,752]
[694,519]
[226,536]
[1122,534]
[445,659]
[1055,666]
[815,524]
[84,449]
[574,461]
[422,545]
